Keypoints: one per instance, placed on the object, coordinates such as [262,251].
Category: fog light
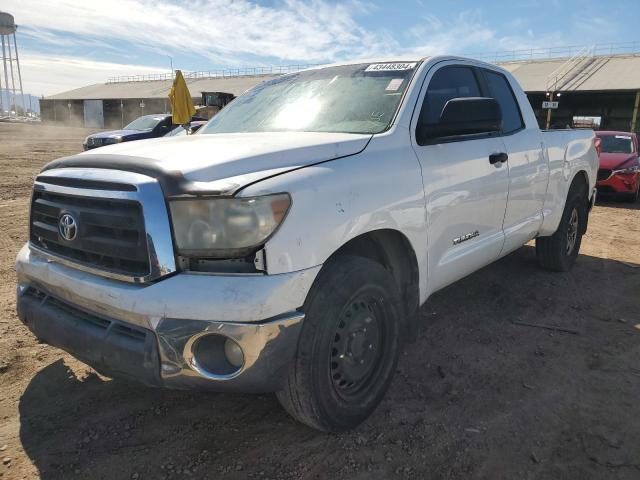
[214,355]
[233,352]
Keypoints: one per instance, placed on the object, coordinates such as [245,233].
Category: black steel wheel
[572,230]
[357,346]
[348,347]
[559,251]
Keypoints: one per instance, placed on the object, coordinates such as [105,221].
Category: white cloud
[46,74]
[235,33]
[225,33]
[216,29]
[469,33]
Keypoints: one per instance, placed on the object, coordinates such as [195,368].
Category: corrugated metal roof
[160,88]
[613,72]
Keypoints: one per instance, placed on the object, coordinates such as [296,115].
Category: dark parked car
[147,126]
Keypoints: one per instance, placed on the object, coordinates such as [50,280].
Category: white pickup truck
[288,246]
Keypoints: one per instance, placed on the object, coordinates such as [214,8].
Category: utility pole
[550,95]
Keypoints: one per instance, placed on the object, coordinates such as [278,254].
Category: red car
[619,171]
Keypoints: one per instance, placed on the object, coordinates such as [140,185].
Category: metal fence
[600,49]
[220,73]
[568,51]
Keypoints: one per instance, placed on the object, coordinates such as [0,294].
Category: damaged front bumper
[153,334]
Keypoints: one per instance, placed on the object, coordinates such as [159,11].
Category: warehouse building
[122,100]
[587,88]
[599,91]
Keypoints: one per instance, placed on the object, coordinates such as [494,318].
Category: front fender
[336,201]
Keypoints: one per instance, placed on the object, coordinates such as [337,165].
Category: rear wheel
[348,347]
[558,252]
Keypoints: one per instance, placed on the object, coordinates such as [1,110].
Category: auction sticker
[390,67]
[394,84]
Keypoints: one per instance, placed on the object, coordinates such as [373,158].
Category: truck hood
[613,161]
[218,163]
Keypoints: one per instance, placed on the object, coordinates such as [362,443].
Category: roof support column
[634,115]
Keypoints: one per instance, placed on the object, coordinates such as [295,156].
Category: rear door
[528,168]
[466,195]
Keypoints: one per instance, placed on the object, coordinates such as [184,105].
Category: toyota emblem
[67,227]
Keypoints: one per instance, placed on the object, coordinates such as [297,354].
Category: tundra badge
[465,237]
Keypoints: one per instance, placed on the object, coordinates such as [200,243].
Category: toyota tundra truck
[287,246]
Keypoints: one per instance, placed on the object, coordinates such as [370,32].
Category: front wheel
[558,252]
[348,348]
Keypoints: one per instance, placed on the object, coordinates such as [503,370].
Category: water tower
[10,75]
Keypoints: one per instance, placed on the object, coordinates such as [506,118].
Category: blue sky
[66,44]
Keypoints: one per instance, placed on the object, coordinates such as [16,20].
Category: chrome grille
[110,233]
[119,223]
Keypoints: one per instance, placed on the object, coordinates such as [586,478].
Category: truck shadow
[482,392]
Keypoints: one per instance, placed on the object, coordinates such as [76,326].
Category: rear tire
[348,348]
[558,252]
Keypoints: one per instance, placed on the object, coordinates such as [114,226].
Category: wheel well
[581,181]
[392,250]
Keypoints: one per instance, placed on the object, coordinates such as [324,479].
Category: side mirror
[464,116]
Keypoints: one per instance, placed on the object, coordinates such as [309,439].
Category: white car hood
[224,162]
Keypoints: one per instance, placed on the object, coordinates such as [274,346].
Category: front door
[466,194]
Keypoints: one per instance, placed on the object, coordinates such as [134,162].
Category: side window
[447,83]
[500,89]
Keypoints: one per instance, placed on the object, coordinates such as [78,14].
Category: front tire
[348,348]
[558,252]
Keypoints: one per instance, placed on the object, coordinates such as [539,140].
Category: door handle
[498,158]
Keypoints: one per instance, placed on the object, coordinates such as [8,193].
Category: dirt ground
[479,395]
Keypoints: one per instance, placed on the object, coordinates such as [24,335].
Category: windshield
[616,144]
[147,122]
[349,99]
